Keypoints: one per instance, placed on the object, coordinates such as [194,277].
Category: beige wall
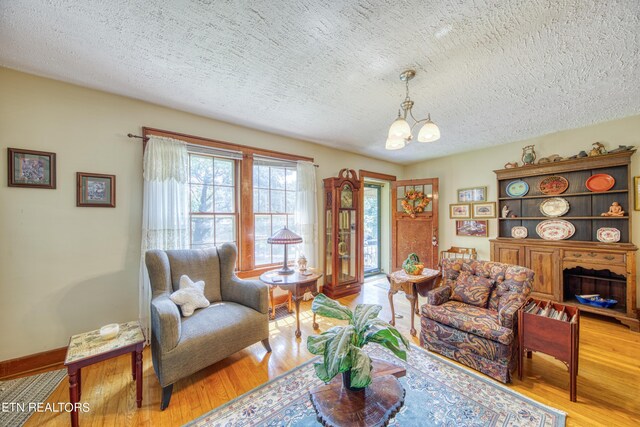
[476,169]
[63,269]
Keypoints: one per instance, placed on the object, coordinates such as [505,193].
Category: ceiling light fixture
[400,131]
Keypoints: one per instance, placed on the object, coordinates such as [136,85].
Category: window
[274,203]
[212,190]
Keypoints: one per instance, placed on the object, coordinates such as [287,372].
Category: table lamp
[285,237]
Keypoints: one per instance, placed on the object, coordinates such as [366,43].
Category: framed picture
[636,192]
[475,194]
[29,168]
[484,210]
[96,190]
[472,228]
[460,210]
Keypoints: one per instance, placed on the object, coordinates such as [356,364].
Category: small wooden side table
[297,284]
[89,348]
[337,406]
[412,286]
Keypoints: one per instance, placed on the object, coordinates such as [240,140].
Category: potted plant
[341,346]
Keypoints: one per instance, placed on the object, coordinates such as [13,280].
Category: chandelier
[400,131]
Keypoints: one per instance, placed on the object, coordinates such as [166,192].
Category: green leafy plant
[341,346]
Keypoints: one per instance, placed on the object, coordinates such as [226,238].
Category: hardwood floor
[608,380]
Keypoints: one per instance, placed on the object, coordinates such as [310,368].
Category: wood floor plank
[608,378]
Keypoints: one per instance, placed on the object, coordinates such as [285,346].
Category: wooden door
[508,254]
[417,233]
[545,264]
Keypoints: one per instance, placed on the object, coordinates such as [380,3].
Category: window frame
[245,232]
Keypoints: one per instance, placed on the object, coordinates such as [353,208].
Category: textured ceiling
[489,72]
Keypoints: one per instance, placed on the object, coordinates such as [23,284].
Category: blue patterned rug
[439,393]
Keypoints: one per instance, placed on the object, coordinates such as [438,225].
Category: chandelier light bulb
[394,143]
[429,132]
[400,129]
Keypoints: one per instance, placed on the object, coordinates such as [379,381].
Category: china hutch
[343,273]
[596,256]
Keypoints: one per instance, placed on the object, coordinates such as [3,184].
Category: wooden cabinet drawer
[595,257]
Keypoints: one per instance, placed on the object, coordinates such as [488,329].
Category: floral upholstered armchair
[472,317]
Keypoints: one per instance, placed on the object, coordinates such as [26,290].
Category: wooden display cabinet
[580,264]
[343,270]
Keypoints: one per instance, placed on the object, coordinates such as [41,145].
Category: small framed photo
[96,190]
[32,169]
[472,228]
[460,210]
[484,210]
[636,192]
[475,194]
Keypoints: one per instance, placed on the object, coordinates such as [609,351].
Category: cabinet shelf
[566,218]
[547,196]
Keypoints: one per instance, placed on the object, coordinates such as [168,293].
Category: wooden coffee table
[297,284]
[89,348]
[338,407]
[412,286]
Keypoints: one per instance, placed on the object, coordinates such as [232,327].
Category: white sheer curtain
[306,210]
[165,208]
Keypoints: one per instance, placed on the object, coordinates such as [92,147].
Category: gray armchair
[237,317]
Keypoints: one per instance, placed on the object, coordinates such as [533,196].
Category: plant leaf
[363,313]
[337,351]
[321,372]
[316,344]
[360,368]
[389,337]
[325,306]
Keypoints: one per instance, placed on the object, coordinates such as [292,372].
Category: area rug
[17,394]
[438,393]
[282,311]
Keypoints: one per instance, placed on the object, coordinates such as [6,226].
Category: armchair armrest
[508,308]
[165,322]
[252,293]
[439,295]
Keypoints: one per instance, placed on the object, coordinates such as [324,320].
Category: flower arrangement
[415,202]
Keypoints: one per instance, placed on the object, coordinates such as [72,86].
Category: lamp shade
[429,132]
[284,236]
[394,143]
[400,129]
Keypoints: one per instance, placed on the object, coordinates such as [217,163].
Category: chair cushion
[198,264]
[468,318]
[472,289]
[190,296]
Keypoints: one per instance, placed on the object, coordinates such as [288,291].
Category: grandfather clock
[343,272]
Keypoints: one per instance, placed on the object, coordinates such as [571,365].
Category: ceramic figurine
[302,263]
[550,159]
[511,165]
[622,148]
[528,155]
[614,210]
[505,211]
[582,154]
[597,150]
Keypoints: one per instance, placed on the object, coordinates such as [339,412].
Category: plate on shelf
[552,185]
[555,229]
[608,234]
[519,232]
[596,301]
[600,182]
[554,207]
[517,188]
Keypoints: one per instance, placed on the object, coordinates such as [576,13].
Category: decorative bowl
[596,301]
[110,331]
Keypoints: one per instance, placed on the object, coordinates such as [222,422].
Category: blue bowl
[597,301]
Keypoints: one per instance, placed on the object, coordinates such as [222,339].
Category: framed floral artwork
[484,210]
[460,210]
[475,194]
[31,169]
[96,190]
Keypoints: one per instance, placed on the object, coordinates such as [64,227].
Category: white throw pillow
[190,296]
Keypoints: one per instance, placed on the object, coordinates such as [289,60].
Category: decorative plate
[555,229]
[519,232]
[553,185]
[556,206]
[600,182]
[517,188]
[608,234]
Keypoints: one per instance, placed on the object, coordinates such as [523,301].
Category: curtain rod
[146,138]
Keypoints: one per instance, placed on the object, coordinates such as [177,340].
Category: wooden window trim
[376,175]
[245,232]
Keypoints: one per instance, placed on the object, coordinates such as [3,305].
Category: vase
[346,382]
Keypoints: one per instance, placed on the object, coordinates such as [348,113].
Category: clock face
[346,197]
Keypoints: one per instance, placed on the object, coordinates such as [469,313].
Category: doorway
[372,229]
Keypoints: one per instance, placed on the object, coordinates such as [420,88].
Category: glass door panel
[371,229]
